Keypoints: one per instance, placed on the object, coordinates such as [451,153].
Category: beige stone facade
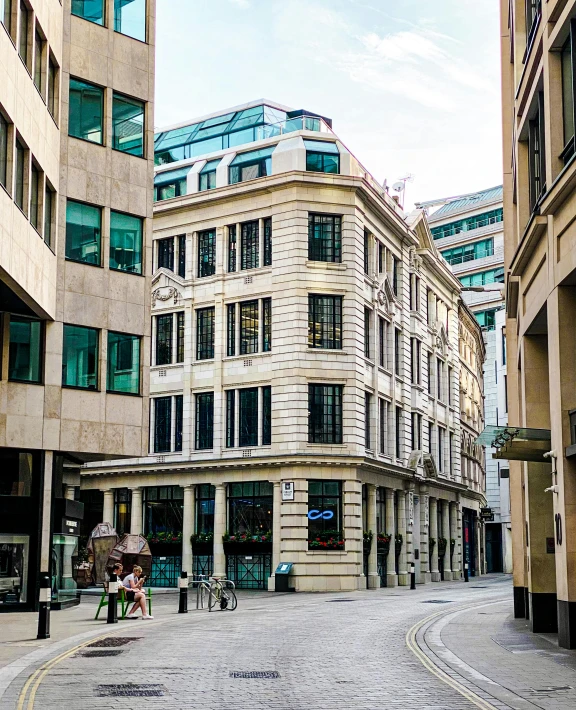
[392,357]
[43,47]
[539,209]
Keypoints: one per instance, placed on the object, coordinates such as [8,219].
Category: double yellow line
[31,686]
[412,644]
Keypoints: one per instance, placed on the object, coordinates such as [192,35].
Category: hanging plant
[202,538]
[432,543]
[247,537]
[442,546]
[368,537]
[399,541]
[327,540]
[170,537]
[383,542]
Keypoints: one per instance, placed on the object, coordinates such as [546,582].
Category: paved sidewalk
[498,656]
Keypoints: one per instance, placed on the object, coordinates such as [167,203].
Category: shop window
[123,363]
[17,473]
[325,414]
[126,242]
[130,18]
[324,238]
[128,125]
[25,350]
[14,565]
[83,232]
[80,357]
[205,496]
[122,510]
[325,515]
[91,10]
[250,507]
[86,111]
[163,512]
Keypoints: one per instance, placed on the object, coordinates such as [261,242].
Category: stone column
[391,576]
[446,536]
[276,532]
[424,535]
[219,530]
[136,512]
[409,543]
[433,532]
[477,537]
[403,576]
[70,492]
[455,565]
[46,498]
[188,528]
[108,512]
[373,576]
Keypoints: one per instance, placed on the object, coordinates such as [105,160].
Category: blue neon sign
[325,514]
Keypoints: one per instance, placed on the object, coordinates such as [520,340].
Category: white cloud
[244,4]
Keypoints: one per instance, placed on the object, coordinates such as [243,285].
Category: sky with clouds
[412,86]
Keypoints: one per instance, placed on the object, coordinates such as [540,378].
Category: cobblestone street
[322,651]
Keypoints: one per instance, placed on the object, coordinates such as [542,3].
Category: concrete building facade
[76,165]
[305,369]
[469,232]
[539,241]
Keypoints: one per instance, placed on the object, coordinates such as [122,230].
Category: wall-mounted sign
[287,490]
[316,514]
[72,523]
[487,514]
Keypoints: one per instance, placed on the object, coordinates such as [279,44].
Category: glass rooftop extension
[233,129]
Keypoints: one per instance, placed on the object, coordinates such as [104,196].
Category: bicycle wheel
[231,601]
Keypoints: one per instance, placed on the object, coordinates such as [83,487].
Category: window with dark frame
[204,421]
[416,431]
[123,359]
[439,378]
[441,433]
[166,253]
[178,421]
[80,357]
[397,364]
[48,213]
[366,251]
[230,418]
[248,327]
[322,162]
[367,419]
[266,325]
[205,497]
[182,256]
[398,447]
[249,245]
[232,248]
[51,101]
[25,349]
[248,417]
[537,154]
[231,329]
[449,385]
[568,61]
[6,17]
[23,37]
[128,124]
[533,14]
[164,325]
[35,197]
[325,238]
[395,275]
[266,416]
[207,253]
[381,341]
[86,111]
[325,414]
[205,333]
[21,168]
[268,242]
[325,322]
[415,367]
[250,507]
[162,424]
[381,258]
[180,335]
[383,422]
[38,61]
[367,329]
[4,153]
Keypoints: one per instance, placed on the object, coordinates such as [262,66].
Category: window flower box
[327,540]
[383,543]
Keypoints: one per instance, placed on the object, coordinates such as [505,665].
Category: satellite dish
[398,186]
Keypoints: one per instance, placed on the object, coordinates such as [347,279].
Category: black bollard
[466,571]
[412,576]
[183,584]
[44,607]
[112,596]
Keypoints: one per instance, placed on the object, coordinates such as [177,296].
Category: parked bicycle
[215,593]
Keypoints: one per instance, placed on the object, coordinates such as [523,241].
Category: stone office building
[539,118]
[76,166]
[305,368]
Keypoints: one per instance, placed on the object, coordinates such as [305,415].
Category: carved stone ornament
[165,293]
[415,261]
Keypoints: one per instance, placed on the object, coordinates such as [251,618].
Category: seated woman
[133,585]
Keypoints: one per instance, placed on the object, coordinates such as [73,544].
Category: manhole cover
[130,690]
[101,653]
[254,674]
[437,601]
[112,641]
[340,600]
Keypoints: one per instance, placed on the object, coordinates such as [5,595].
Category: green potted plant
[368,537]
[246,541]
[166,537]
[202,543]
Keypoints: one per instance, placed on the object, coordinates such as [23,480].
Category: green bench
[122,600]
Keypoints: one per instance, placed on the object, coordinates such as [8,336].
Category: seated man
[133,585]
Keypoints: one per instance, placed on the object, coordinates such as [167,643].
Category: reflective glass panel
[13,569]
[130,18]
[20,170]
[86,111]
[123,363]
[83,231]
[91,10]
[80,357]
[125,243]
[3,149]
[128,125]
[16,468]
[25,352]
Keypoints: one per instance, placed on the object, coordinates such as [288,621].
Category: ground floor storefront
[342,527]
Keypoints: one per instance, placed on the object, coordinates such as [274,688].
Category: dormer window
[322,157]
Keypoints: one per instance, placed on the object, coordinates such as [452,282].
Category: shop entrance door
[494,547]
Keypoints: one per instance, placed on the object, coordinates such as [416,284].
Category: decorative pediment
[166,288]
